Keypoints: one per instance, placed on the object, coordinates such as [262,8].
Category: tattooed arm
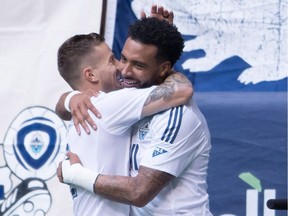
[176,90]
[136,191]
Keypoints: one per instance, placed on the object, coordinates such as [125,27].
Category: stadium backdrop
[235,55]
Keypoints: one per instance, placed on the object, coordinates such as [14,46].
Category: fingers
[142,14]
[94,110]
[153,9]
[80,104]
[171,17]
[167,15]
[79,120]
[69,154]
[162,13]
[64,167]
[59,173]
[73,158]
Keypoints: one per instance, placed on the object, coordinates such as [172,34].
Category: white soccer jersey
[107,150]
[177,142]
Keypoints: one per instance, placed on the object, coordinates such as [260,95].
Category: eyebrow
[134,61]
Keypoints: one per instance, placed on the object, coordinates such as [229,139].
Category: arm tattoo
[167,89]
[165,92]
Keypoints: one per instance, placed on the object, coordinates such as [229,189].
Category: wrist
[78,175]
[68,98]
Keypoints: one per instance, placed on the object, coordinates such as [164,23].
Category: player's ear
[90,74]
[165,68]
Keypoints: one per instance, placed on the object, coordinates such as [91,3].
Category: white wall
[30,33]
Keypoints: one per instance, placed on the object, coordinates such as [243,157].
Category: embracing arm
[176,90]
[80,105]
[136,191]
[60,109]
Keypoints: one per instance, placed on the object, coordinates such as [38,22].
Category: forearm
[60,108]
[136,191]
[121,189]
[176,90]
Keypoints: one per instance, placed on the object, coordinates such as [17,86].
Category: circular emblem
[35,143]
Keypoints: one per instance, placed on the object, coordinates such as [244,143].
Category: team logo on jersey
[158,151]
[143,130]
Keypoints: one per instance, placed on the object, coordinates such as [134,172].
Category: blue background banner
[244,101]
[225,74]
[249,134]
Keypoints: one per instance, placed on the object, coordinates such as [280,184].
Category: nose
[119,65]
[125,69]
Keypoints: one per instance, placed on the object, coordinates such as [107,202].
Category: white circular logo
[35,143]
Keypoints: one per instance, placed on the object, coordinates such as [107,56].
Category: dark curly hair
[72,52]
[161,34]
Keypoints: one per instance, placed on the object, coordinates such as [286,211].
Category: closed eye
[123,59]
[139,66]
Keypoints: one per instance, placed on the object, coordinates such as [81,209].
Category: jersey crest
[143,130]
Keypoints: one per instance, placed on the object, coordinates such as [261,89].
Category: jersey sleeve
[121,109]
[178,136]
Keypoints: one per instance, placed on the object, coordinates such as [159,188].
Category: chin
[145,85]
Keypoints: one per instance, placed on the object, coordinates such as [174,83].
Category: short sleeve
[177,137]
[120,109]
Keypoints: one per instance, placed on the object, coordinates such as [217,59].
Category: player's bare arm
[137,191]
[176,90]
[60,109]
[79,106]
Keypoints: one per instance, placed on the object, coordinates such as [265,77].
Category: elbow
[141,200]
[63,114]
[190,92]
[142,195]
[143,189]
[186,94]
[58,111]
